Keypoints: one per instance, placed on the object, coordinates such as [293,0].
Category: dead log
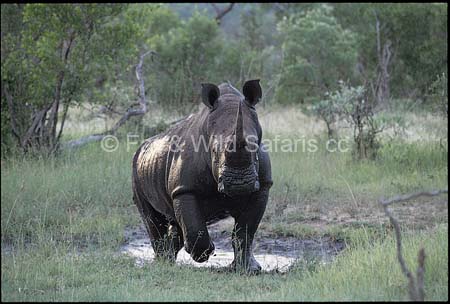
[130,112]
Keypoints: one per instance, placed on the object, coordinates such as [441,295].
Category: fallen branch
[76,143]
[416,284]
[407,197]
[143,108]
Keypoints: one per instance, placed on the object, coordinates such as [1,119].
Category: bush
[184,55]
[327,111]
[317,52]
[353,105]
[438,95]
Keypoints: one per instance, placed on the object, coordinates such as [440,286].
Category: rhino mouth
[234,181]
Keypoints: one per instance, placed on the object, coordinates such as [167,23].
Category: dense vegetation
[58,57]
[375,74]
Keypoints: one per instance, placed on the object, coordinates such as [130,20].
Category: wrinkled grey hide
[178,189]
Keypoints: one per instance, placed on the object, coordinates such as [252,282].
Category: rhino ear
[210,94]
[252,91]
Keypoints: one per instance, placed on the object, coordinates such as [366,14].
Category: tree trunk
[13,119]
[384,55]
[41,134]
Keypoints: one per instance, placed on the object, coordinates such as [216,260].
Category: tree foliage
[186,56]
[317,53]
[52,56]
[418,33]
[59,56]
[355,106]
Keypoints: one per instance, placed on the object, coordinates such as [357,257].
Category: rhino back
[162,170]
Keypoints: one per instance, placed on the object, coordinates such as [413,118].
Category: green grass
[63,222]
[363,272]
[400,167]
[331,190]
[86,194]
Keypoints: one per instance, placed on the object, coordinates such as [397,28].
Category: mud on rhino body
[180,185]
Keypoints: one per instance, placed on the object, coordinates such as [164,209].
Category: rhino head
[234,135]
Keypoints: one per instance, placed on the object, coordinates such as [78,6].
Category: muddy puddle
[273,254]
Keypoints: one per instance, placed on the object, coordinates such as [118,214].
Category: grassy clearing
[363,272]
[86,194]
[324,192]
[63,221]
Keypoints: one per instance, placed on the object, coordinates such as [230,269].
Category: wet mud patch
[273,254]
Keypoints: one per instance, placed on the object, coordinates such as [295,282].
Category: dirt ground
[273,253]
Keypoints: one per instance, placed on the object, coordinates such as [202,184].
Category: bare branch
[407,197]
[377,26]
[220,13]
[83,141]
[142,100]
[401,260]
[416,284]
[420,275]
[143,108]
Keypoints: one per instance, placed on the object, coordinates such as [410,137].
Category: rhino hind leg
[166,237]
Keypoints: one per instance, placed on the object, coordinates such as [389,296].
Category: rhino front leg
[247,222]
[193,225]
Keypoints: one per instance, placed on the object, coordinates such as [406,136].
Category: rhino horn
[239,131]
